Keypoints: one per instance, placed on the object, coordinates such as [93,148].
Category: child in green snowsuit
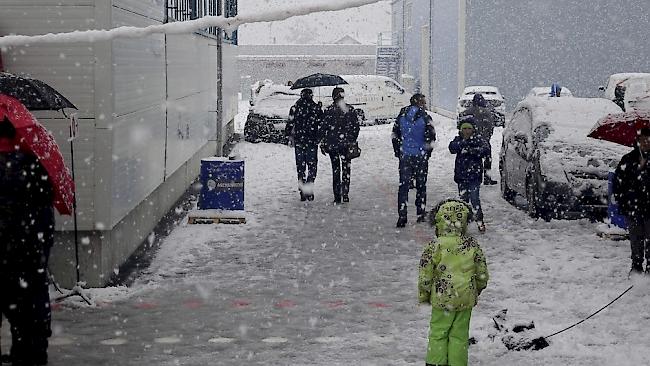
[452,275]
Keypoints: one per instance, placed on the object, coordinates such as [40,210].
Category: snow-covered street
[309,283]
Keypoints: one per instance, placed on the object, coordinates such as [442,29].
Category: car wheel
[507,193]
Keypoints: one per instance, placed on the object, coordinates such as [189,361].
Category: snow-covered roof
[481,89]
[568,117]
[365,78]
[541,91]
[616,78]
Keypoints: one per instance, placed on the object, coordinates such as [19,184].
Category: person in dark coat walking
[485,118]
[26,237]
[340,132]
[304,133]
[470,150]
[632,193]
[413,136]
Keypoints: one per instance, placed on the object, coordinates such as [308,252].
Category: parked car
[547,157]
[637,95]
[491,94]
[268,113]
[543,91]
[633,81]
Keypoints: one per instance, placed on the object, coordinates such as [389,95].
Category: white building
[149,110]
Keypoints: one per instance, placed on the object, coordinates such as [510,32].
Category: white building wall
[68,68]
[131,162]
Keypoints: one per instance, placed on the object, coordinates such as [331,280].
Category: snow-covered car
[543,91]
[547,157]
[268,113]
[491,94]
[633,88]
[637,95]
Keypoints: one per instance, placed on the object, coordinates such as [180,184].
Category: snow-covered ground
[309,283]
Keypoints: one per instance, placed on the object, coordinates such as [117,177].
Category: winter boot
[310,197]
[401,222]
[481,226]
[422,218]
[488,181]
[303,197]
[346,199]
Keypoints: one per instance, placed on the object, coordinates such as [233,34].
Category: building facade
[149,109]
[283,63]
[518,44]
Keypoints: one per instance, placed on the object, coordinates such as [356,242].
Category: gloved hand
[290,141]
[323,150]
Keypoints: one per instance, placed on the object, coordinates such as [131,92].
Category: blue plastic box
[222,184]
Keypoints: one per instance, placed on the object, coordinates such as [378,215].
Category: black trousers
[306,161]
[412,167]
[25,299]
[640,243]
[341,166]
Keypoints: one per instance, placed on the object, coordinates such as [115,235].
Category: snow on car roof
[541,91]
[480,89]
[568,118]
[628,75]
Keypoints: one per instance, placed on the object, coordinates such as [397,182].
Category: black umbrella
[34,94]
[316,80]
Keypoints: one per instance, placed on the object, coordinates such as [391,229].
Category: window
[182,10]
[408,14]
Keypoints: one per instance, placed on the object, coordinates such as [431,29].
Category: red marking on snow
[193,303]
[240,303]
[335,304]
[55,306]
[285,304]
[378,305]
[145,305]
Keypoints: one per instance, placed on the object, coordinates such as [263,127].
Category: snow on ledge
[183,27]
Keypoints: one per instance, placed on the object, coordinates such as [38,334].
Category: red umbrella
[34,138]
[621,128]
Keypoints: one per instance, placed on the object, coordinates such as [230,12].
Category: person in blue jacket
[470,150]
[413,136]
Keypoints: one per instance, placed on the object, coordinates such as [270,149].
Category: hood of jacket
[451,218]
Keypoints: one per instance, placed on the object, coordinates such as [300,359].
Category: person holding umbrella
[303,131]
[340,133]
[33,180]
[632,193]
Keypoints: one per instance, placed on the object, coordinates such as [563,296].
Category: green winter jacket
[453,271]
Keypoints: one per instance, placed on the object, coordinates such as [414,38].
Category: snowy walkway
[316,284]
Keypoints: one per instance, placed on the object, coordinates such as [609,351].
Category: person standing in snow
[26,237]
[470,150]
[452,274]
[485,118]
[413,136]
[340,133]
[632,193]
[556,90]
[303,131]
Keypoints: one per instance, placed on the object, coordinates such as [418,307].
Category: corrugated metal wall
[69,69]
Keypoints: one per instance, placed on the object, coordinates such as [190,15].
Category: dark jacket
[413,132]
[26,213]
[485,119]
[632,187]
[340,128]
[469,154]
[304,123]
